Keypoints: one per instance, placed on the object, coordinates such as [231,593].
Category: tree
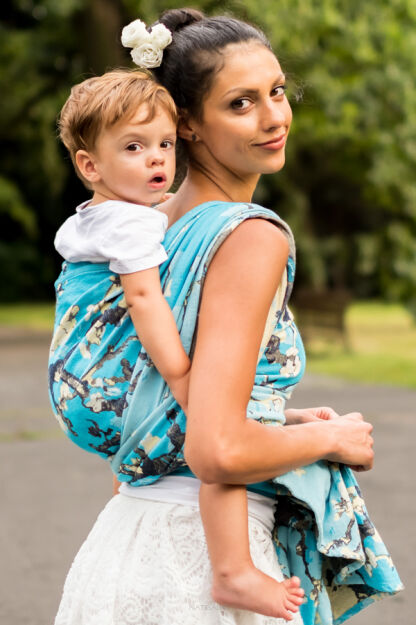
[41,55]
[347,188]
[348,185]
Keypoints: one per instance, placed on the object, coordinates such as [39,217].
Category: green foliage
[347,188]
[13,204]
[43,51]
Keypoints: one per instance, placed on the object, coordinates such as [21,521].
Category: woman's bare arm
[221,444]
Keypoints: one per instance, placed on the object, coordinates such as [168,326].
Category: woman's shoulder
[243,208]
[257,221]
[241,229]
[223,213]
[206,227]
[249,210]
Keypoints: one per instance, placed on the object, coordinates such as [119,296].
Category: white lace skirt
[146,563]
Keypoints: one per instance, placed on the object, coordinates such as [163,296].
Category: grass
[382,347]
[32,316]
[30,435]
[381,339]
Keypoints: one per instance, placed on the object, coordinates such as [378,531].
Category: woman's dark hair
[194,56]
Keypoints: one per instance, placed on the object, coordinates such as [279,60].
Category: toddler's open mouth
[157,181]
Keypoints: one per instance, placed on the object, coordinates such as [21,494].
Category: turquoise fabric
[110,399]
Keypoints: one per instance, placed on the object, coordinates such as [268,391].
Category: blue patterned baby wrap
[110,399]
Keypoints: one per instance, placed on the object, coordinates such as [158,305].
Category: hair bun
[176,19]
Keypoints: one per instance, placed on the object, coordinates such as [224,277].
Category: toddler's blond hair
[100,102]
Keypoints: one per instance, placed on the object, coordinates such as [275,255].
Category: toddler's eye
[167,143]
[134,147]
[240,104]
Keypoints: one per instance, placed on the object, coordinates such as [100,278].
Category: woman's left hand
[295,416]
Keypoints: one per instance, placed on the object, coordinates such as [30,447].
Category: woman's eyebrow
[247,90]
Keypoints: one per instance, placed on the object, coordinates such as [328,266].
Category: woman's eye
[279,90]
[241,104]
[134,147]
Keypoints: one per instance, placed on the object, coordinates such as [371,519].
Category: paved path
[51,492]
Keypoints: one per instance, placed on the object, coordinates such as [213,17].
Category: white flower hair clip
[147,47]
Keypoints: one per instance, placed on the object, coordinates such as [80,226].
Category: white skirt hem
[146,563]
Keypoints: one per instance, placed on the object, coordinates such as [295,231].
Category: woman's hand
[295,416]
[353,441]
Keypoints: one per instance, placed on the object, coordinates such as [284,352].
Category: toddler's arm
[156,329]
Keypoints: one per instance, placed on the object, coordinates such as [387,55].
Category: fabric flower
[134,34]
[161,36]
[147,55]
[147,47]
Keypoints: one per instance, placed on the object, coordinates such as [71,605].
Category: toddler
[120,131]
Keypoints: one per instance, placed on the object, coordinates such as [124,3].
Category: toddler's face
[136,160]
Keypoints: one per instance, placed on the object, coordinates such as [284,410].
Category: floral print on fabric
[110,399]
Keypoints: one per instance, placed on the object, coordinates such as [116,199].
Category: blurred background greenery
[347,189]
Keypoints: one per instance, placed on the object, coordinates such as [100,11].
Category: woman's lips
[273,144]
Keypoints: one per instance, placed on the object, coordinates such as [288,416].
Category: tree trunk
[101,26]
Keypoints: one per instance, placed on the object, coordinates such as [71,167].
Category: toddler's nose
[156,158]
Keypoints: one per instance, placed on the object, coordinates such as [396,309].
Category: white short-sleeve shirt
[127,235]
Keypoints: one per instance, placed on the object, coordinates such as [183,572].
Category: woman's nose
[274,115]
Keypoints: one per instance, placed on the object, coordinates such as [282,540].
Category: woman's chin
[274,164]
[273,169]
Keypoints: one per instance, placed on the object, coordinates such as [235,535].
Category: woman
[145,560]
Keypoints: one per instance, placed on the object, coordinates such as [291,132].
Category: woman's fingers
[326,413]
[295,416]
[354,441]
[357,416]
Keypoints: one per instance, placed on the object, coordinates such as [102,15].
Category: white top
[184,490]
[128,235]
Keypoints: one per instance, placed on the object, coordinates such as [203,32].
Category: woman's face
[246,115]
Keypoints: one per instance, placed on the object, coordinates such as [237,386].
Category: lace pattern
[146,563]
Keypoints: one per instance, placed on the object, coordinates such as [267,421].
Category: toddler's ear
[87,166]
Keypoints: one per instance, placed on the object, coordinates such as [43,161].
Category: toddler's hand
[167,196]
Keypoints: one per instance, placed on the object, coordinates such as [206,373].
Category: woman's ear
[87,166]
[186,128]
